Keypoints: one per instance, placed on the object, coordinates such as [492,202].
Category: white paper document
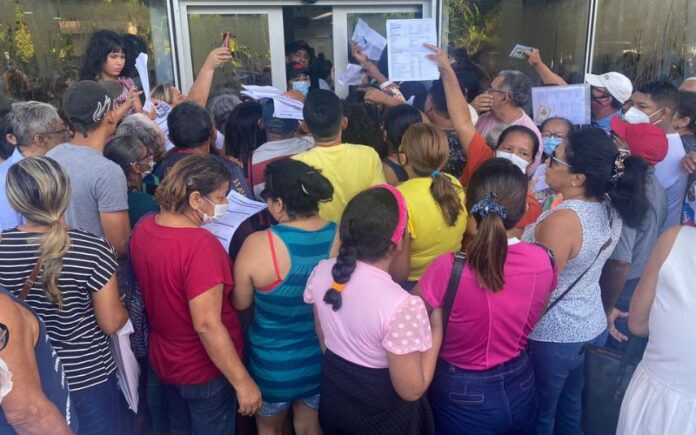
[162,112]
[352,76]
[260,92]
[519,50]
[126,365]
[571,102]
[369,40]
[407,55]
[287,108]
[240,208]
[141,67]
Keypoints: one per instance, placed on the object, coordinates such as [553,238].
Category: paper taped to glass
[571,102]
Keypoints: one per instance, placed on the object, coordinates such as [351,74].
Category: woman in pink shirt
[379,355]
[484,381]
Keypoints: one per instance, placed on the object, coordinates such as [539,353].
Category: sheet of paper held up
[260,92]
[407,55]
[369,40]
[287,108]
[352,76]
[141,67]
[571,102]
[239,209]
[162,112]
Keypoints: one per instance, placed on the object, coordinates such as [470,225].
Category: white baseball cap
[617,84]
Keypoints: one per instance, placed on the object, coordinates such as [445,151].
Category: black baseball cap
[279,126]
[87,102]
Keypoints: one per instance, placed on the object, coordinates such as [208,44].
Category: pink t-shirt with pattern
[376,316]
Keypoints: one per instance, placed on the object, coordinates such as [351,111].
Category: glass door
[346,17]
[259,57]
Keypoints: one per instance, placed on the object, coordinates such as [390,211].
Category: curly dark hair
[101,44]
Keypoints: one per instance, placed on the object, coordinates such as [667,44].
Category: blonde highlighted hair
[39,189]
[427,150]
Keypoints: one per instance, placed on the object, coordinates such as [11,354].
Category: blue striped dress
[284,356]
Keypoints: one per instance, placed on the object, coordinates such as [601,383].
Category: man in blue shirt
[37,128]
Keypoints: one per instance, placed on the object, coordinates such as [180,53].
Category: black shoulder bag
[455,276]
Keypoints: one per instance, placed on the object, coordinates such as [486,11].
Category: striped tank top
[284,356]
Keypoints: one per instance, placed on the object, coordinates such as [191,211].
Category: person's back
[500,295]
[662,394]
[436,215]
[98,185]
[350,168]
[48,368]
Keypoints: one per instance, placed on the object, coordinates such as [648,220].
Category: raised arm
[367,65]
[457,106]
[200,90]
[547,76]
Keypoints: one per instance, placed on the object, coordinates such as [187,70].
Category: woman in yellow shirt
[435,199]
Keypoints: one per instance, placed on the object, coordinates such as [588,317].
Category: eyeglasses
[556,159]
[64,131]
[491,91]
[4,336]
[147,156]
[600,96]
[553,135]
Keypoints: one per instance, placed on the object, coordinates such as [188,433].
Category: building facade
[43,41]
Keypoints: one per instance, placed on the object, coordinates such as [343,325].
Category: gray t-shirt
[98,185]
[636,244]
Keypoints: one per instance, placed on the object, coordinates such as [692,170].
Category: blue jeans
[499,400]
[560,378]
[99,408]
[202,409]
[623,303]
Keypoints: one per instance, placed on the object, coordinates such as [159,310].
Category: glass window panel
[251,65]
[46,39]
[489,29]
[646,39]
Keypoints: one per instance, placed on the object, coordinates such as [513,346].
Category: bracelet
[386,84]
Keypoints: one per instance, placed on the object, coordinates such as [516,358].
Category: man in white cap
[609,92]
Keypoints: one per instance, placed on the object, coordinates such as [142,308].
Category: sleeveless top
[668,357]
[53,382]
[580,315]
[399,171]
[284,356]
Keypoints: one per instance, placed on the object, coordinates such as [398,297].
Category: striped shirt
[284,356]
[73,331]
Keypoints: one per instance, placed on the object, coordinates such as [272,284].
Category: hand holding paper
[408,59]
[370,41]
[141,67]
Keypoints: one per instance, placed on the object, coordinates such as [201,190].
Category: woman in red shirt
[195,341]
[484,381]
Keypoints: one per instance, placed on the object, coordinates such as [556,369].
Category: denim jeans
[623,303]
[560,378]
[499,400]
[100,408]
[203,409]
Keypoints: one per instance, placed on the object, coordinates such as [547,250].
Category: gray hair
[28,118]
[144,129]
[517,85]
[220,108]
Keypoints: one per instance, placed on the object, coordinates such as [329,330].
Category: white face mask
[514,158]
[635,116]
[219,211]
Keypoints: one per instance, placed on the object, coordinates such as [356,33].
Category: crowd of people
[430,260]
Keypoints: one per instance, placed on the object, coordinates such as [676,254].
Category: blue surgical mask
[302,86]
[550,144]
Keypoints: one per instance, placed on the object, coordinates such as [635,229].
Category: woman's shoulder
[84,240]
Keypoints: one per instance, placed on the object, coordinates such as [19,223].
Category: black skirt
[360,400]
